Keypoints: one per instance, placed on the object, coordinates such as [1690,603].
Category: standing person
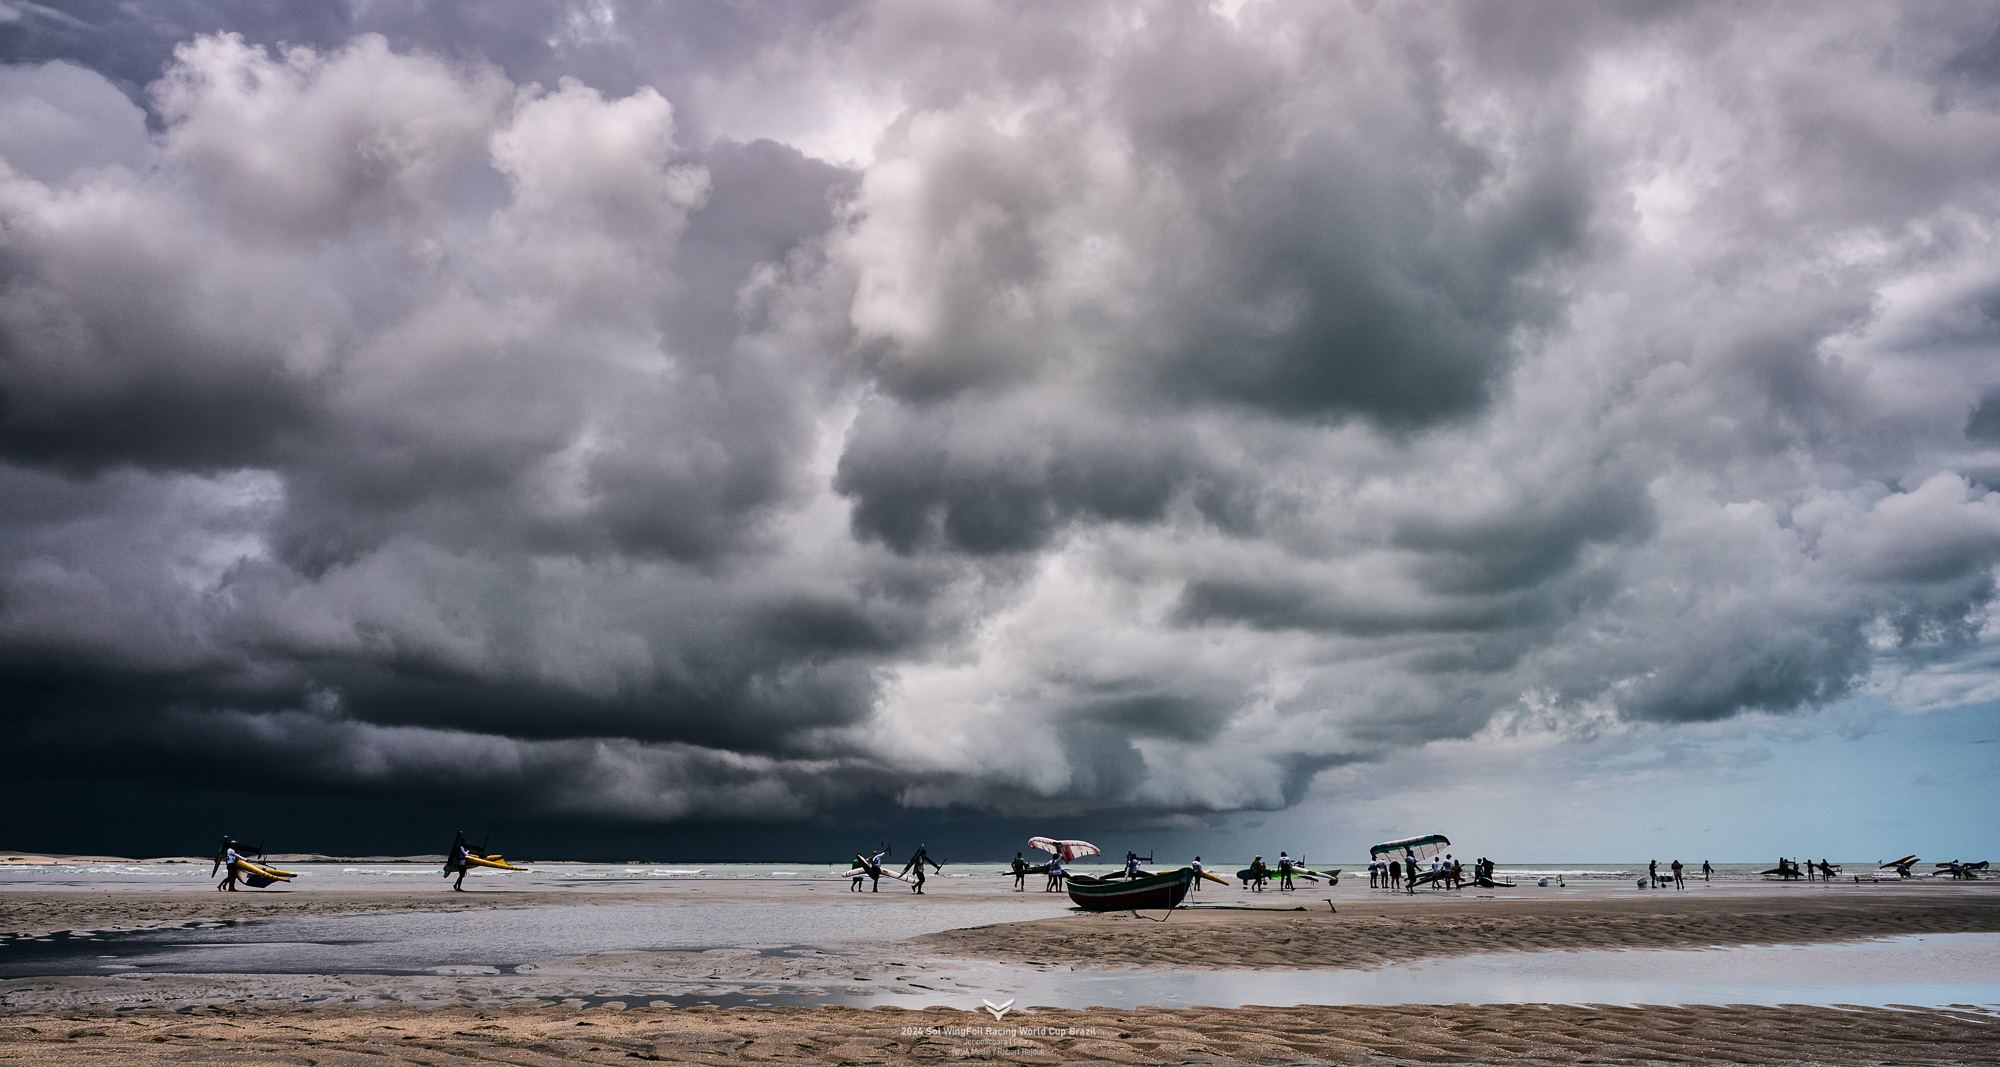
[916,864]
[459,854]
[1132,865]
[1284,871]
[228,860]
[1020,869]
[1409,871]
[1259,874]
[1055,874]
[1678,884]
[872,867]
[1706,871]
[1395,874]
[1198,879]
[1653,874]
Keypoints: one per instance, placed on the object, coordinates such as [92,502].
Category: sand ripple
[1405,1035]
[1394,931]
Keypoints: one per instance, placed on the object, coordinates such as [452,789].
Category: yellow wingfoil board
[268,872]
[495,862]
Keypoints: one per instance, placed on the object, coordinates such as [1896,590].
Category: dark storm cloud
[665,412]
[982,480]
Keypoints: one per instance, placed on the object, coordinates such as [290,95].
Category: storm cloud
[661,413]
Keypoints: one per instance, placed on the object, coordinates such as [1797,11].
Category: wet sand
[1392,929]
[1407,1035]
[446,1019]
[33,913]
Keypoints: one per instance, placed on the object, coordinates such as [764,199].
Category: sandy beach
[444,1018]
[1273,931]
[1390,929]
[33,913]
[1409,1035]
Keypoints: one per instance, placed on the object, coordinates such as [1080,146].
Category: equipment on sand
[254,875]
[1423,847]
[1165,891]
[497,862]
[257,876]
[474,857]
[886,873]
[1909,859]
[1213,878]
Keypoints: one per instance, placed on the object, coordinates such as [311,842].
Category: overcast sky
[1572,424]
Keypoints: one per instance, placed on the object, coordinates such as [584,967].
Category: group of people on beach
[1407,874]
[1808,870]
[1262,873]
[1021,869]
[869,866]
[1672,878]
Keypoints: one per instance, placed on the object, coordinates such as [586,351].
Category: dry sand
[1402,1035]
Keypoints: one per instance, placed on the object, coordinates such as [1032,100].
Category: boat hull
[1157,891]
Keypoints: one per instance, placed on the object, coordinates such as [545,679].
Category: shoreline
[1379,928]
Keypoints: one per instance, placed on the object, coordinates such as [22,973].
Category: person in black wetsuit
[458,854]
[1020,869]
[916,865]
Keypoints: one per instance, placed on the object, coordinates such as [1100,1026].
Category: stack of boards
[1248,874]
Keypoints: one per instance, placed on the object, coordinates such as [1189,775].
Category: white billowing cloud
[58,118]
[1169,405]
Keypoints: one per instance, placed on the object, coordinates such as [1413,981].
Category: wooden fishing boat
[1153,891]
